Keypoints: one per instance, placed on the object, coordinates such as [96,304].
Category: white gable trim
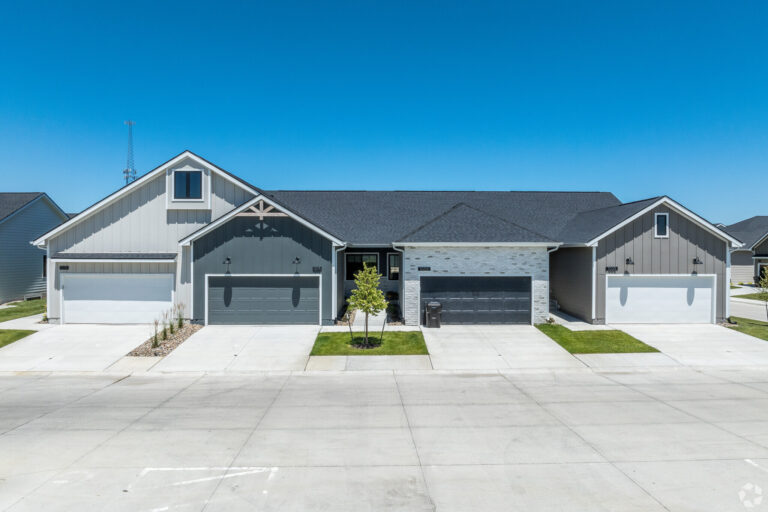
[44,196]
[259,197]
[477,244]
[157,171]
[759,241]
[680,209]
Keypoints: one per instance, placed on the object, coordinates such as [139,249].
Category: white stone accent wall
[476,261]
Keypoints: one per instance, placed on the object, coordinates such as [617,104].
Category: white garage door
[660,299]
[115,298]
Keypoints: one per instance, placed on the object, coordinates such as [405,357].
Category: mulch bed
[165,347]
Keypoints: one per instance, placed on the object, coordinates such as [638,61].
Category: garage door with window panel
[115,298]
[677,299]
[254,300]
[479,300]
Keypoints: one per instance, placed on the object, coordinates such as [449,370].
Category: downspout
[549,279]
[335,279]
[402,281]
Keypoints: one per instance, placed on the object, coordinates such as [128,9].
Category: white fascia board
[477,244]
[759,241]
[259,197]
[34,201]
[134,185]
[681,209]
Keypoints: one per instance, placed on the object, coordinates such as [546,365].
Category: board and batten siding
[742,267]
[263,247]
[674,255]
[21,263]
[140,222]
[570,280]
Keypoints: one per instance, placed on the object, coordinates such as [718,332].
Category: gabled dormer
[188,187]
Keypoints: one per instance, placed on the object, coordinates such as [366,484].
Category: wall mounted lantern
[629,261]
[697,261]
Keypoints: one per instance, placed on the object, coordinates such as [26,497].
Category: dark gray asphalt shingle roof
[382,217]
[115,256]
[12,201]
[585,226]
[749,231]
[463,223]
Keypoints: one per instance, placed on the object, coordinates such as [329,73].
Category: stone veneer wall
[476,261]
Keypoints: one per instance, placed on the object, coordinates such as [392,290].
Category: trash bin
[433,311]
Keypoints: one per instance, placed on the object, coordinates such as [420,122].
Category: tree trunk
[366,329]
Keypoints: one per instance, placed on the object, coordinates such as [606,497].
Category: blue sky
[639,99]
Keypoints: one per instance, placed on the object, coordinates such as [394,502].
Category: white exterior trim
[43,195]
[206,188]
[594,282]
[727,312]
[681,209]
[759,241]
[713,317]
[655,225]
[112,260]
[319,289]
[479,244]
[259,197]
[530,280]
[135,184]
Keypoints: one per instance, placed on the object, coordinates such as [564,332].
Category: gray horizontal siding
[742,267]
[21,264]
[673,255]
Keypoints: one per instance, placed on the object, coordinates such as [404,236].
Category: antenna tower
[129,173]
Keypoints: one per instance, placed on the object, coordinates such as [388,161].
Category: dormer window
[188,185]
[661,229]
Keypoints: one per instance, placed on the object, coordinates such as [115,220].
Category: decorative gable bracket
[261,210]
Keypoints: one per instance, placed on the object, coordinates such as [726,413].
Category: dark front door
[479,300]
[263,300]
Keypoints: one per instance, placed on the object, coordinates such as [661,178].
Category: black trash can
[433,311]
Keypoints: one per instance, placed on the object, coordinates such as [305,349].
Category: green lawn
[21,309]
[753,296]
[735,287]
[754,328]
[395,343]
[8,336]
[594,342]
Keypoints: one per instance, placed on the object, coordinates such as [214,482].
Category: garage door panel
[479,300]
[660,299]
[247,300]
[116,298]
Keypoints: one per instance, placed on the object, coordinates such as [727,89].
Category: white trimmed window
[187,185]
[661,225]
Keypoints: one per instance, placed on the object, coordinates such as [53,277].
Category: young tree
[367,298]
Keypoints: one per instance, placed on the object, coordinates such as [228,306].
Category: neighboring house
[191,233]
[24,216]
[751,260]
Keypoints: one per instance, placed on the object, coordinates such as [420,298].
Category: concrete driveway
[502,441]
[482,347]
[81,348]
[242,348]
[702,344]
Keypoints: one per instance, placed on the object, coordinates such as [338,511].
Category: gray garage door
[263,300]
[479,300]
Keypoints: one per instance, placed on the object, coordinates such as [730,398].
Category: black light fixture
[629,261]
[697,261]
[296,261]
[226,261]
